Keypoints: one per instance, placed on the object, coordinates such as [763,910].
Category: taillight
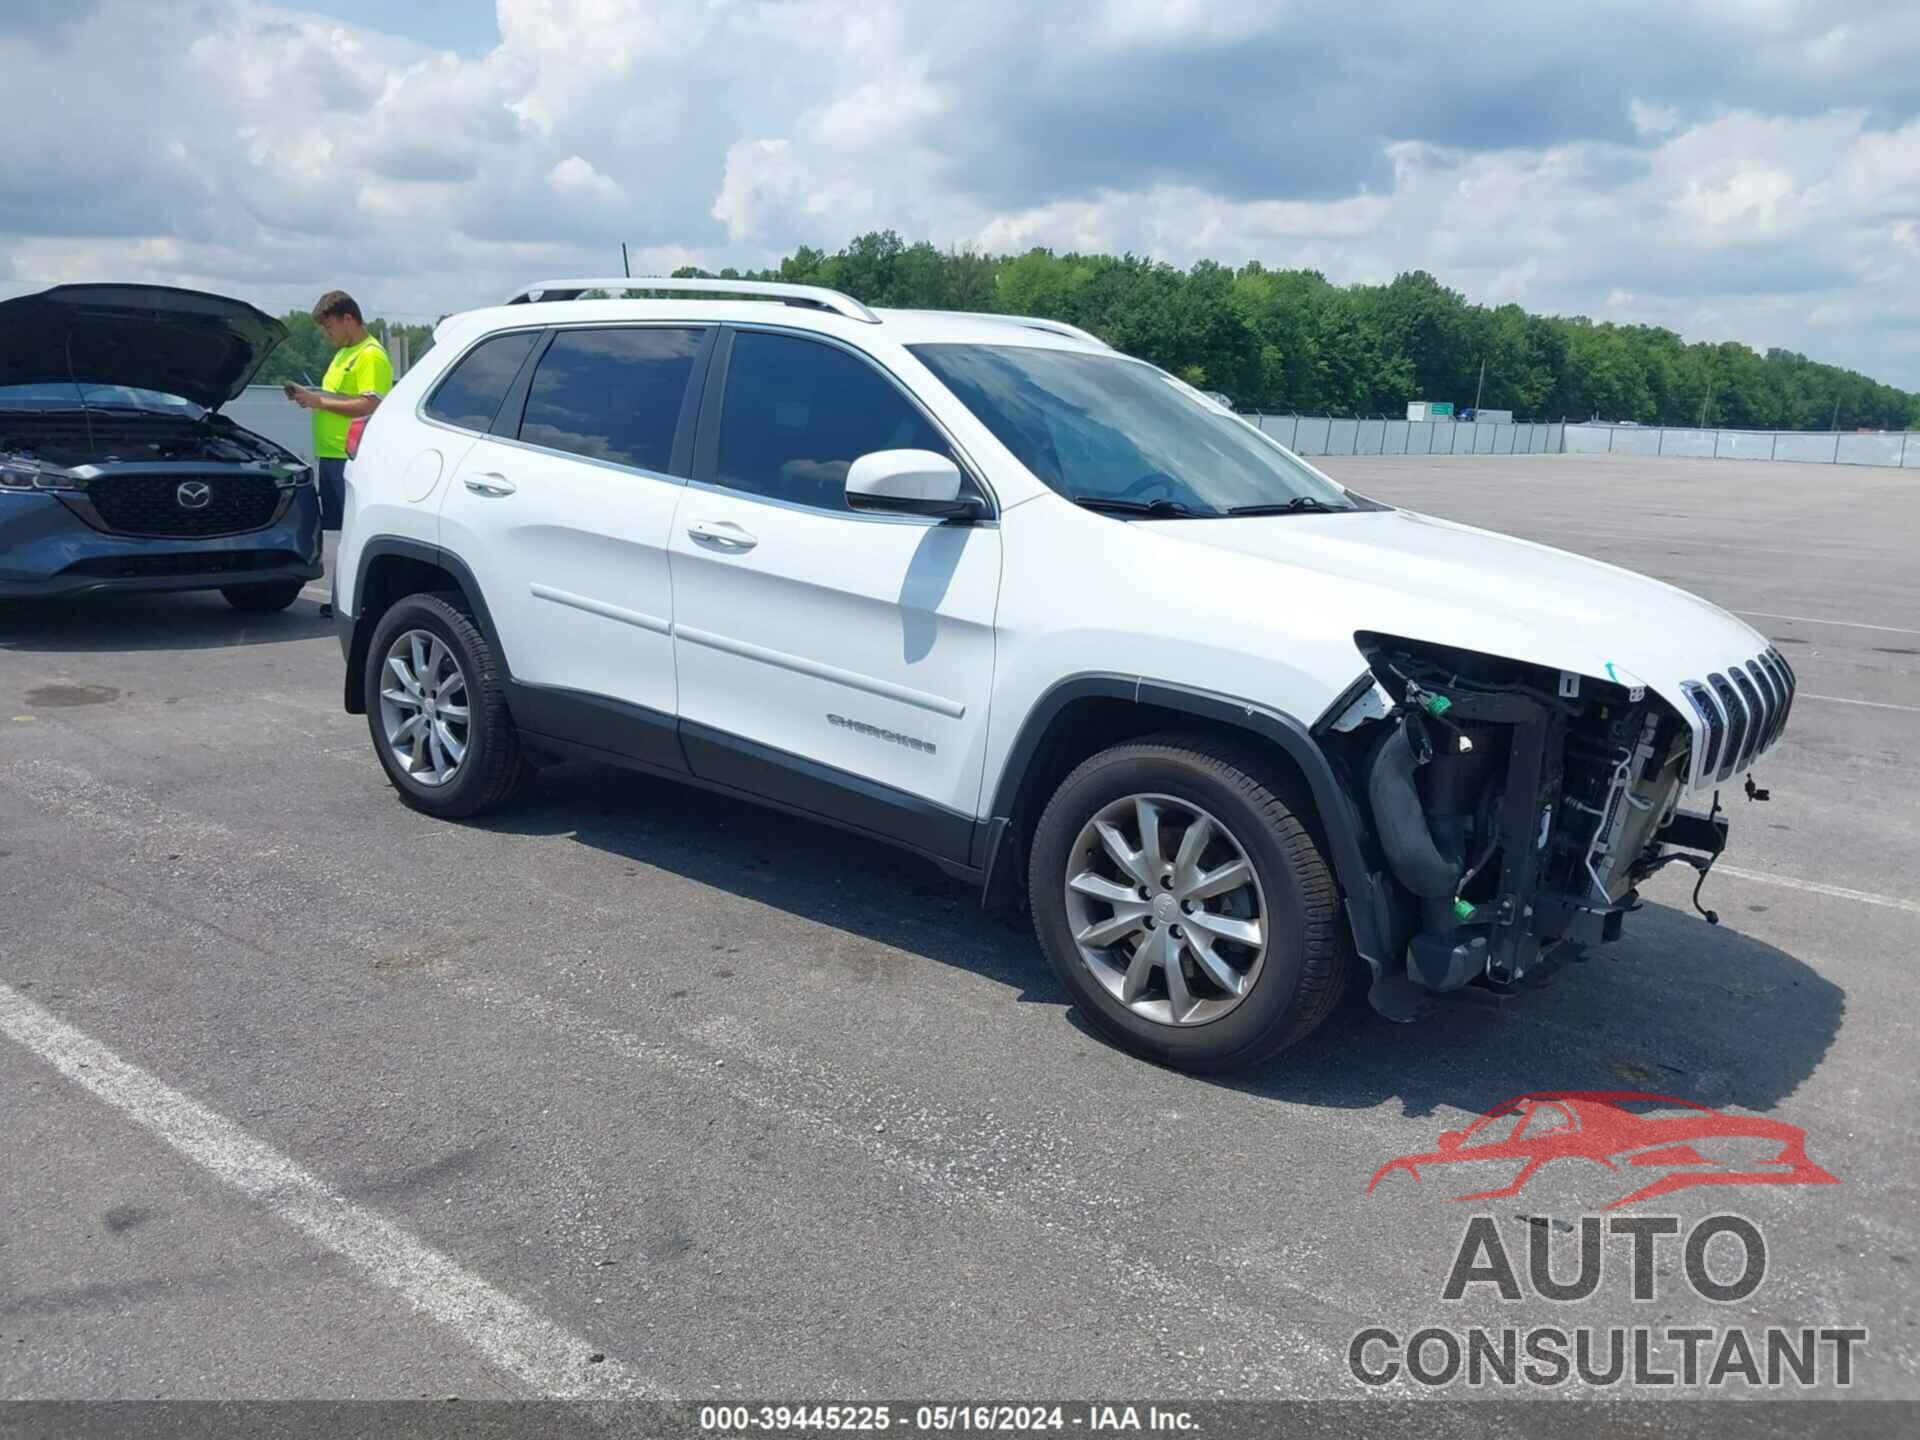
[354,432]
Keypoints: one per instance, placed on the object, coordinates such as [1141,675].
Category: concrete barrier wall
[1746,445]
[1280,427]
[1324,435]
[1811,449]
[1803,447]
[1870,449]
[1690,444]
[1636,442]
[265,410]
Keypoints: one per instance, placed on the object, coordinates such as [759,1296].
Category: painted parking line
[550,1359]
[1815,887]
[1849,700]
[1817,620]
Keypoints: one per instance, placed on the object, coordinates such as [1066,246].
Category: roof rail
[1027,322]
[813,296]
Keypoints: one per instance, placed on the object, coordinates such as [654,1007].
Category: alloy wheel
[424,707]
[1166,910]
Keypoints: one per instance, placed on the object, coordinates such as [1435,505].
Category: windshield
[1106,430]
[62,392]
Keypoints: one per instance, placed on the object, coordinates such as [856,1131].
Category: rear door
[829,659]
[563,513]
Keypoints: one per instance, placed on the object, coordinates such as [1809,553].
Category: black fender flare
[357,630]
[1365,889]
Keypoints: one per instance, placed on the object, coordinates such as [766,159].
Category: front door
[833,660]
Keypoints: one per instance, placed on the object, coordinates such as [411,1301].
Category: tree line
[302,357]
[1291,340]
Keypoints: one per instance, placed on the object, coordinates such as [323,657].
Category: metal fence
[1829,447]
[1323,435]
[265,409]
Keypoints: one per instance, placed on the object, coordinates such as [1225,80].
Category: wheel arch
[1087,713]
[392,567]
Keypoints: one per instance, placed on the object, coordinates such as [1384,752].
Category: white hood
[1402,573]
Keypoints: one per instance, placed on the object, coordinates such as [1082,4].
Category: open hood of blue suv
[154,337]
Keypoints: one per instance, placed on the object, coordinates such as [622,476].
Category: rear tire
[439,716]
[275,596]
[1101,889]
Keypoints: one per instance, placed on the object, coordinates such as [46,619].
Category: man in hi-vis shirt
[359,374]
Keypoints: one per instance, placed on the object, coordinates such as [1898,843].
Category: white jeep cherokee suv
[982,587]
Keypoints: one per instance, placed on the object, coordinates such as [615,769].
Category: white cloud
[1732,170]
[575,175]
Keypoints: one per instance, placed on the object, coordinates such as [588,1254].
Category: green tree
[1291,340]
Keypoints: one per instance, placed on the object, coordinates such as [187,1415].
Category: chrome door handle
[722,532]
[489,482]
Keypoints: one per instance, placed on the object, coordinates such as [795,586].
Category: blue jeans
[332,473]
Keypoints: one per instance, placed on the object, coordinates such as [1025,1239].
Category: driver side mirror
[909,482]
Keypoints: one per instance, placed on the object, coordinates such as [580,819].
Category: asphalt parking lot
[749,1108]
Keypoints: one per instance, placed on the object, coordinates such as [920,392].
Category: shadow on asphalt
[1679,1007]
[178,620]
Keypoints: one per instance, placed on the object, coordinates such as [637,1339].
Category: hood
[183,342]
[1401,573]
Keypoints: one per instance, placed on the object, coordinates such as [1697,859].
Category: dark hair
[334,303]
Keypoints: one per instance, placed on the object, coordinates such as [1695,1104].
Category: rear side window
[470,395]
[797,414]
[611,394]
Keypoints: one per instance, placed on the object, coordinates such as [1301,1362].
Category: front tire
[1183,904]
[277,595]
[437,709]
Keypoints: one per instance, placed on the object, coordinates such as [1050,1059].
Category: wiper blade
[1299,504]
[1113,505]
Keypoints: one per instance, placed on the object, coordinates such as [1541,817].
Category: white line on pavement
[1845,700]
[1865,897]
[549,1358]
[1816,620]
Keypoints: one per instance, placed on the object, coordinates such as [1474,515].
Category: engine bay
[76,436]
[1515,808]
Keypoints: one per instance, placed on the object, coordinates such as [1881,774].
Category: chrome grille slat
[1773,694]
[1715,721]
[1756,715]
[1737,723]
[1744,712]
[1791,682]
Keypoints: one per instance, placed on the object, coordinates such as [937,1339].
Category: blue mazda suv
[117,471]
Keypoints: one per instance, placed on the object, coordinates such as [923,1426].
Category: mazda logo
[193,494]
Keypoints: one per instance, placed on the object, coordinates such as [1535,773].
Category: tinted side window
[611,394]
[471,393]
[797,414]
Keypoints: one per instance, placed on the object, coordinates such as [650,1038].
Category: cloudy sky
[1742,169]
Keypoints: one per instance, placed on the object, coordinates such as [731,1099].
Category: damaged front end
[1514,808]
